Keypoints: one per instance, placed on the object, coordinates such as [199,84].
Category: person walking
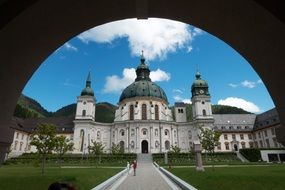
[134,166]
[128,167]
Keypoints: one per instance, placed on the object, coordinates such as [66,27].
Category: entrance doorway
[144,146]
[235,147]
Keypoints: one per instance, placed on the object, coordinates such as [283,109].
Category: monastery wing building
[144,123]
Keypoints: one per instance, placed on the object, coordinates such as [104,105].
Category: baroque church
[144,123]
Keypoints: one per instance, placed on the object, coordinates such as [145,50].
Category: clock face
[201,91]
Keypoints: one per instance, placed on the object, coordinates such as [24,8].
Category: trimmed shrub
[251,154]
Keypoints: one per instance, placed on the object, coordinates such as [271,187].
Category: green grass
[245,178]
[19,178]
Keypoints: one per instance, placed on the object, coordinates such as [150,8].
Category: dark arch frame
[254,28]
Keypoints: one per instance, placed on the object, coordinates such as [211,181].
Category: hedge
[189,158]
[112,159]
[251,154]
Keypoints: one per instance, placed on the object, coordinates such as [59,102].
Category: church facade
[144,123]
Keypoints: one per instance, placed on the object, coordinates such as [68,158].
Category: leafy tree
[62,146]
[96,148]
[115,149]
[175,149]
[209,140]
[44,139]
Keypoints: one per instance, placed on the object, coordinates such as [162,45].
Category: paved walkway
[147,177]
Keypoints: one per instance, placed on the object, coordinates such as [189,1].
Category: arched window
[204,112]
[166,132]
[156,132]
[122,146]
[167,145]
[251,144]
[227,146]
[81,139]
[144,112]
[156,112]
[98,135]
[131,112]
[122,132]
[144,131]
[83,112]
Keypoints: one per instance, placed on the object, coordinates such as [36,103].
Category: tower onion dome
[199,84]
[87,91]
[143,86]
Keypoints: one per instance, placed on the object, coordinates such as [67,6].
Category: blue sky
[173,51]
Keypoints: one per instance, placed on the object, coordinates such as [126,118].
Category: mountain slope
[67,111]
[216,109]
[105,112]
[31,104]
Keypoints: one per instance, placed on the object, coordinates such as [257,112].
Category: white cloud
[68,46]
[115,84]
[259,81]
[233,85]
[177,91]
[248,84]
[159,75]
[157,37]
[240,103]
[178,98]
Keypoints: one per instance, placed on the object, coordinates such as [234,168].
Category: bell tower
[201,99]
[86,102]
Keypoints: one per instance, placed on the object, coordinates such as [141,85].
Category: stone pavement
[147,177]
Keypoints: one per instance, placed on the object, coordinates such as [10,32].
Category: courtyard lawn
[244,177]
[19,178]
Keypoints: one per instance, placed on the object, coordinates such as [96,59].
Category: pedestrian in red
[135,166]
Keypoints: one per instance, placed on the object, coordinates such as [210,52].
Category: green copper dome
[199,82]
[87,91]
[199,86]
[143,86]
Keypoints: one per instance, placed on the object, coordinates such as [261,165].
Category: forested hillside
[105,112]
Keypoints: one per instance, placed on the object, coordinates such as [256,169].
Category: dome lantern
[143,86]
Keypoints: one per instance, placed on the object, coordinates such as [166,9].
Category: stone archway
[144,147]
[253,28]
